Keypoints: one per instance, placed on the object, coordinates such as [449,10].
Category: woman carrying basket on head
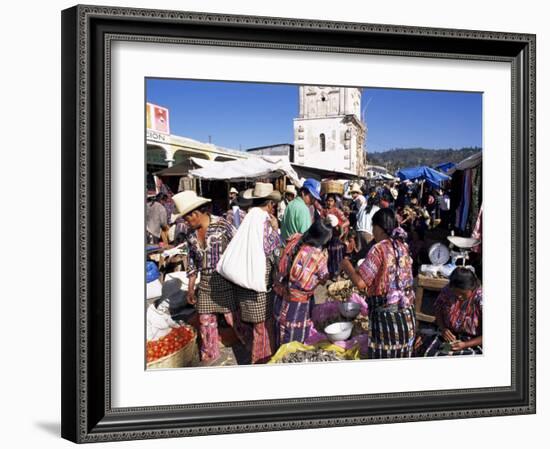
[340,228]
[386,276]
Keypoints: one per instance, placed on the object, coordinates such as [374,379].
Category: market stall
[423,173]
[467,193]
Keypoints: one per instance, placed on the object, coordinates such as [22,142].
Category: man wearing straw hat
[248,264]
[235,215]
[208,237]
[290,194]
[233,192]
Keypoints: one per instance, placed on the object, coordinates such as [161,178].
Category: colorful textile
[383,275]
[297,218]
[262,342]
[462,218]
[255,307]
[436,347]
[460,316]
[292,320]
[218,235]
[170,209]
[215,295]
[209,336]
[181,227]
[299,277]
[477,191]
[392,330]
[477,232]
[272,239]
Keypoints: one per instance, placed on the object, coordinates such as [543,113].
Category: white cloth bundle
[243,261]
[159,321]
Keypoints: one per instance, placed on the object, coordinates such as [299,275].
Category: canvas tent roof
[445,167]
[245,169]
[320,174]
[433,177]
[383,177]
[181,169]
[473,161]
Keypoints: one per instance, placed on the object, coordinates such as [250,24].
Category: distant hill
[411,157]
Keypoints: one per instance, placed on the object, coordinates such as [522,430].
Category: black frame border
[87,33]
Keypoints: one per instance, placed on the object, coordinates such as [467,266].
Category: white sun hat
[187,201]
[262,190]
[291,189]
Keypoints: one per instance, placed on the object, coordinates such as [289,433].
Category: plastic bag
[151,271]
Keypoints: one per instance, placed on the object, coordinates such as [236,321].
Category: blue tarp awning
[433,177]
[445,167]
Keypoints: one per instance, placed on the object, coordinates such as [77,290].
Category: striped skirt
[336,250]
[436,347]
[292,320]
[391,330]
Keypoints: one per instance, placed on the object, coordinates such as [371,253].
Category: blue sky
[244,115]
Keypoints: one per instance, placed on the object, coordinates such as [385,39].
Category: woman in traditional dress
[336,245]
[386,277]
[302,266]
[458,316]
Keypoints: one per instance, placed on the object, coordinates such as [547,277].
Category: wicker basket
[186,356]
[332,187]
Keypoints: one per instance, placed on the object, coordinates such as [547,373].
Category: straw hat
[187,201]
[234,190]
[355,188]
[262,190]
[243,202]
[291,189]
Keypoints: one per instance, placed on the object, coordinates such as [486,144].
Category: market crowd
[257,266]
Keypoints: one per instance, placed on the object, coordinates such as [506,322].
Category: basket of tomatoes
[174,350]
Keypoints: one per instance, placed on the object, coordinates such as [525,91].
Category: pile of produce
[341,290]
[312,355]
[173,342]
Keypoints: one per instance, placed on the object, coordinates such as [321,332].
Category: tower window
[323,142]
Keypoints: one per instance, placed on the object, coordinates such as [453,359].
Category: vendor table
[429,283]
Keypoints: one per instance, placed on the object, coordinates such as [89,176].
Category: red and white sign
[158,118]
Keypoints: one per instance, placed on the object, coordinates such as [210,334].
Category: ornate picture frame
[87,35]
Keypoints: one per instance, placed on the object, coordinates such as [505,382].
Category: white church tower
[329,133]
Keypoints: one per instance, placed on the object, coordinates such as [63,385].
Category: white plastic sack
[154,289]
[243,261]
[182,276]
